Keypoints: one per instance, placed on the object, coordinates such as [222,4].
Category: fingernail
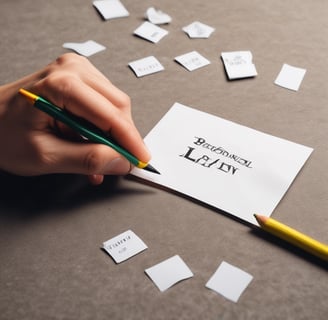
[118,166]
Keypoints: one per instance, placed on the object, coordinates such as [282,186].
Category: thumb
[88,159]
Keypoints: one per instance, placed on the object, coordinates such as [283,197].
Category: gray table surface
[52,227]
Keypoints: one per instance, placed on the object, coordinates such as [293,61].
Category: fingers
[79,87]
[90,159]
[96,179]
[81,69]
[71,93]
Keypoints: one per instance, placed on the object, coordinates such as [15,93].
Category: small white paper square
[290,77]
[238,64]
[146,66]
[192,60]
[229,281]
[110,9]
[86,49]
[124,246]
[168,272]
[198,30]
[150,32]
[157,16]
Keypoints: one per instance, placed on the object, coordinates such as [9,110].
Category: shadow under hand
[28,196]
[33,194]
[25,197]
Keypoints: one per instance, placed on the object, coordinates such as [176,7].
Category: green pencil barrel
[73,122]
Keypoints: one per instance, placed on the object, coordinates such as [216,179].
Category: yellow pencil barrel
[297,238]
[29,95]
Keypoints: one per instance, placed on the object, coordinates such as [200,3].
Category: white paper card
[111,9]
[192,60]
[168,272]
[145,66]
[157,16]
[238,64]
[290,77]
[124,246]
[198,30]
[86,49]
[229,281]
[150,32]
[237,169]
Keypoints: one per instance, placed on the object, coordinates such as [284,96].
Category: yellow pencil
[293,236]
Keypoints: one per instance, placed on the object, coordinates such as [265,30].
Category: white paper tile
[192,60]
[150,32]
[229,281]
[168,272]
[86,49]
[157,16]
[238,64]
[111,9]
[198,30]
[146,66]
[124,246]
[290,77]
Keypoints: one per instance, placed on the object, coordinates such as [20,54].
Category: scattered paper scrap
[198,30]
[111,9]
[150,32]
[86,49]
[229,281]
[146,66]
[192,60]
[290,77]
[237,169]
[157,16]
[124,246]
[168,272]
[238,64]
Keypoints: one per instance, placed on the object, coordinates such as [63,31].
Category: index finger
[69,92]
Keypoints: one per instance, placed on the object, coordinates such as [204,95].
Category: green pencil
[83,127]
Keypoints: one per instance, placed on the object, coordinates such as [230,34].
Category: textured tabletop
[52,227]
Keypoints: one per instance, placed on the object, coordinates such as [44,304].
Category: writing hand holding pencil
[34,143]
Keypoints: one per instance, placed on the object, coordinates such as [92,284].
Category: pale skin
[32,143]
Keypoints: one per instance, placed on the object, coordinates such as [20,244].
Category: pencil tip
[151,169]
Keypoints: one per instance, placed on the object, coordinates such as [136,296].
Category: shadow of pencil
[273,240]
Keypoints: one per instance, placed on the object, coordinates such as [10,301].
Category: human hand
[33,143]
